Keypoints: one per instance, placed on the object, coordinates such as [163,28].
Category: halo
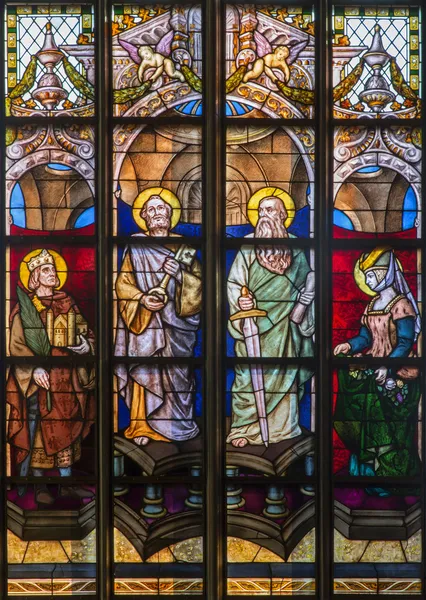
[165,195]
[255,200]
[60,265]
[360,278]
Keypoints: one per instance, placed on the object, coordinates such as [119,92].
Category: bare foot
[239,442]
[141,441]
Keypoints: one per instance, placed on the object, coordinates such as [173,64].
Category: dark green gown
[379,425]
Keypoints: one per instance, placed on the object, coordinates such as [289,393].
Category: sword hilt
[246,314]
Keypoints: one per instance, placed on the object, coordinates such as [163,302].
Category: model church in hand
[65,329]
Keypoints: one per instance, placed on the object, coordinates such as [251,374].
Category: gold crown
[44,258]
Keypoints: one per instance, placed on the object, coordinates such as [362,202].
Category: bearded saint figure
[52,408]
[376,414]
[160,397]
[276,278]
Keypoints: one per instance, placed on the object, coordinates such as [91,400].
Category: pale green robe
[279,337]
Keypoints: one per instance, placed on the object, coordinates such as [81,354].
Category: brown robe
[60,431]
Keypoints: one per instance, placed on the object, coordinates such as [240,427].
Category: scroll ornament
[294,94]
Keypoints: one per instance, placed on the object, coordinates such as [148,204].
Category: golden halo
[60,265]
[360,278]
[255,200]
[165,195]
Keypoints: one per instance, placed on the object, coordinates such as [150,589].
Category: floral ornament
[395,390]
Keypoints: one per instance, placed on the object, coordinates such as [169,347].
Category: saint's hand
[306,298]
[152,302]
[41,377]
[342,349]
[82,348]
[381,375]
[246,302]
[173,268]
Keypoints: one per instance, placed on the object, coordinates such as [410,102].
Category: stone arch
[303,149]
[41,157]
[149,539]
[395,205]
[237,196]
[353,203]
[77,212]
[299,183]
[190,194]
[352,195]
[123,138]
[382,159]
[267,533]
[57,217]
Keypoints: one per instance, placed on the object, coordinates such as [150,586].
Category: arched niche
[177,166]
[374,199]
[51,195]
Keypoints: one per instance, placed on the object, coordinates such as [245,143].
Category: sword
[252,342]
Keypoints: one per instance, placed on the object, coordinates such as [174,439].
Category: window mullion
[323,209]
[423,297]
[3,429]
[105,525]
[214,185]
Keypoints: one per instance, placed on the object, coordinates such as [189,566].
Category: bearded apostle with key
[159,303]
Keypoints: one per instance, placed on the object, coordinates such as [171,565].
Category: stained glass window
[50,299]
[212,241]
[377,296]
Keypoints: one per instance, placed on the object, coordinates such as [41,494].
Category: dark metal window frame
[213,124]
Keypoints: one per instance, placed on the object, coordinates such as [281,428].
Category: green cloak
[375,426]
[279,336]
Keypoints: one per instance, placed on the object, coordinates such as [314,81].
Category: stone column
[307,488]
[153,502]
[276,503]
[119,489]
[195,498]
[233,492]
[247,53]
[179,24]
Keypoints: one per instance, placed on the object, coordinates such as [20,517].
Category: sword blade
[252,342]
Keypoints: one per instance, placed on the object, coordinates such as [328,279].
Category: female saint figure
[376,412]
